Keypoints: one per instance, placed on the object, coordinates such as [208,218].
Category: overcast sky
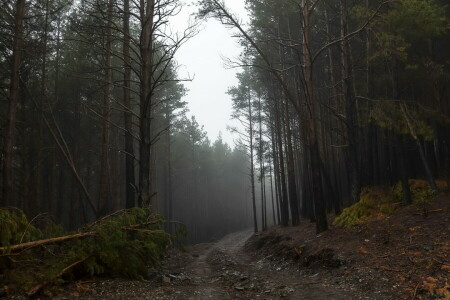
[201,58]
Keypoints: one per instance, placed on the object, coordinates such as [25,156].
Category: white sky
[201,58]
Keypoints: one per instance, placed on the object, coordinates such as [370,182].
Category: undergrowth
[124,244]
[383,201]
[373,200]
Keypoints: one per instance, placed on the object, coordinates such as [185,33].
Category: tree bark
[11,117]
[284,209]
[252,164]
[104,197]
[350,112]
[130,180]
[319,203]
[293,200]
[147,10]
[423,158]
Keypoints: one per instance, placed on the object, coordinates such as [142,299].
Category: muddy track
[219,271]
[224,271]
[205,279]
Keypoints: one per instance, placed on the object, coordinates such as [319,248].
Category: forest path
[204,278]
[222,270]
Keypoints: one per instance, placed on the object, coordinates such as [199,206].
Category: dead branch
[39,287]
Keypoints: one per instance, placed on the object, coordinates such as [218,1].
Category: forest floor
[403,257]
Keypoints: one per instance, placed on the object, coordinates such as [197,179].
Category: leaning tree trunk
[426,165]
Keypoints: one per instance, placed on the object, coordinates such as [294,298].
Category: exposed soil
[403,257]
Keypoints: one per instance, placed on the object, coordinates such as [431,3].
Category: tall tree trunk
[319,203]
[284,192]
[40,142]
[348,91]
[168,204]
[293,200]
[335,99]
[261,167]
[272,190]
[147,9]
[276,167]
[11,117]
[252,163]
[104,197]
[52,171]
[130,180]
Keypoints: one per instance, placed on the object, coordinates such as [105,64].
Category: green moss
[384,201]
[351,215]
[373,200]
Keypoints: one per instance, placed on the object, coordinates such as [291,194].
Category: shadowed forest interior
[338,104]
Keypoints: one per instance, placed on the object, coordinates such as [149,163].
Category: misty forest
[337,184]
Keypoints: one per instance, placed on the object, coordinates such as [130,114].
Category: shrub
[419,189]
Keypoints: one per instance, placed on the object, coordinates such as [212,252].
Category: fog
[202,59]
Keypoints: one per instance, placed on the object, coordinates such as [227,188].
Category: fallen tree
[126,243]
[11,250]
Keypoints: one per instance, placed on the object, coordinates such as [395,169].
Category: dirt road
[222,270]
[219,271]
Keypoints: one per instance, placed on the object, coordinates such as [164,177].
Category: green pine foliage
[120,248]
[15,228]
[124,244]
[406,22]
[388,114]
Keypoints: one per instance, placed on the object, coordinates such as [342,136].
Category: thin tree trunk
[284,192]
[261,166]
[252,164]
[272,191]
[293,200]
[425,163]
[130,180]
[276,171]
